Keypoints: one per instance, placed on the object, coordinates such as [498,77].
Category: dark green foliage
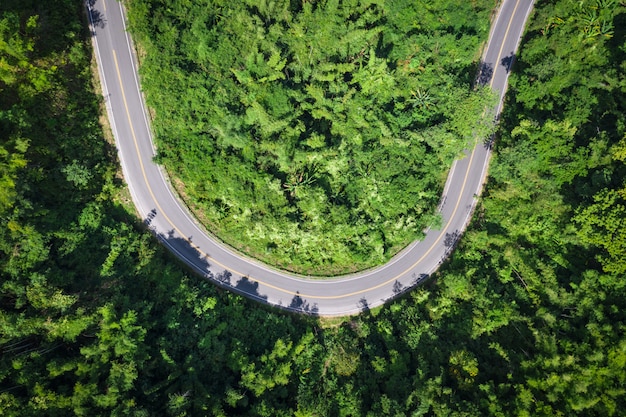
[313,135]
[526,318]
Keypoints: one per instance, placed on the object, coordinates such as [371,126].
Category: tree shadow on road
[188,252]
[301,305]
[96,18]
[485,73]
[363,305]
[507,62]
[249,288]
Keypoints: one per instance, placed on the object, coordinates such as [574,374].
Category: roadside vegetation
[313,135]
[526,318]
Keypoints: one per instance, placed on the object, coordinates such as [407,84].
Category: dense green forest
[526,318]
[313,135]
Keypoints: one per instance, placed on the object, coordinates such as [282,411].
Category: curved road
[178,230]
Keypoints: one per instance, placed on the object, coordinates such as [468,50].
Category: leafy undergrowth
[315,136]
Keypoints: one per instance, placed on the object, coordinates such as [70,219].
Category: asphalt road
[168,218]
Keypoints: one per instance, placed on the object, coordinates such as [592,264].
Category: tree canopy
[315,135]
[527,318]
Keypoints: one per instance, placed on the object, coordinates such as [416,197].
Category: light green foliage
[463,368]
[313,135]
[526,318]
[603,224]
[16,69]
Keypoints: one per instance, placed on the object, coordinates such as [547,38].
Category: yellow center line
[320,297]
[506,34]
[156,202]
